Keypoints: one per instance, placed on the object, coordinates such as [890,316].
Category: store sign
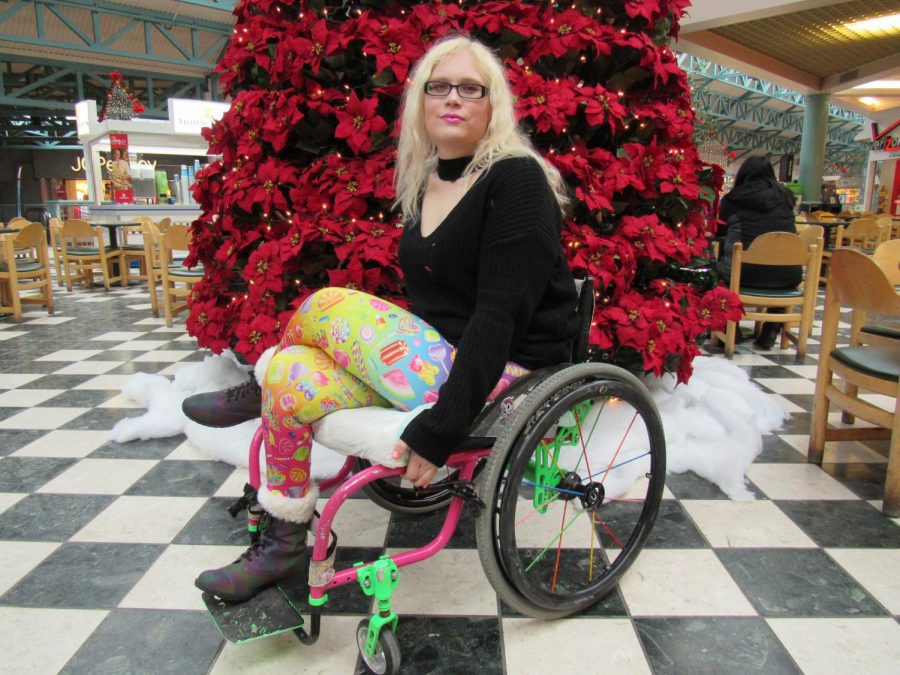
[104,163]
[883,140]
[189,116]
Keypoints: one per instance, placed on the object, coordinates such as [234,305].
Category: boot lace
[238,393]
[256,548]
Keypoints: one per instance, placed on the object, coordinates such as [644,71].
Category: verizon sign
[883,140]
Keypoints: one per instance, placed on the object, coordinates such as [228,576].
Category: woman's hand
[419,471]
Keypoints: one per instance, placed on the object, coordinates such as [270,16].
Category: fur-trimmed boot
[276,556]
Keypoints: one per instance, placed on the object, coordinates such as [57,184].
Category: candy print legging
[346,349]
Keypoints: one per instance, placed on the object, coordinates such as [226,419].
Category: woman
[491,297]
[758,204]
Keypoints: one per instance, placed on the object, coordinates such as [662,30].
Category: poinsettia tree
[302,196]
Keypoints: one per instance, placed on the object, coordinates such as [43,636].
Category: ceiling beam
[708,14]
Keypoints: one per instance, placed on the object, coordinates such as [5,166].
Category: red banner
[119,168]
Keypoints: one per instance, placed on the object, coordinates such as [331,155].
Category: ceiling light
[880,84]
[883,24]
[868,100]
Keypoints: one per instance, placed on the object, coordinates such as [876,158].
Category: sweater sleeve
[519,245]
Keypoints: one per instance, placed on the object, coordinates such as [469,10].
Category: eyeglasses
[465,90]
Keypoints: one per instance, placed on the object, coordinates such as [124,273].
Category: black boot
[227,407]
[767,335]
[277,556]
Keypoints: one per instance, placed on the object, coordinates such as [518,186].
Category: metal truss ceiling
[759,116]
[120,35]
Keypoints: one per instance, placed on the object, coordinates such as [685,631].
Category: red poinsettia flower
[393,42]
[650,10]
[283,113]
[358,121]
[495,17]
[680,177]
[602,106]
[210,320]
[256,332]
[355,275]
[568,31]
[264,269]
[548,102]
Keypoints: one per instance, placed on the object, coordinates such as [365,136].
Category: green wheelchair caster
[385,659]
[376,637]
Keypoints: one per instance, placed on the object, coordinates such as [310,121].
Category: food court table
[113,229]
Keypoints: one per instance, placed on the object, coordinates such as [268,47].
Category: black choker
[452,169]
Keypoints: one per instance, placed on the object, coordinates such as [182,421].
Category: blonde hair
[417,155]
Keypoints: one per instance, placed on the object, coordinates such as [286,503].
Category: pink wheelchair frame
[465,461]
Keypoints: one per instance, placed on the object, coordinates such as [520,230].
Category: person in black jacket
[756,205]
[491,298]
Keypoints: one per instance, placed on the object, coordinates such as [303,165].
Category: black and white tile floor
[100,542]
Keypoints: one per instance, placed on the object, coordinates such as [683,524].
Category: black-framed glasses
[465,90]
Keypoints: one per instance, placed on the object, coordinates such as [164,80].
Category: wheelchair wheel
[386,659]
[400,496]
[572,488]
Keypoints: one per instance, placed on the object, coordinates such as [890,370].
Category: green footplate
[274,610]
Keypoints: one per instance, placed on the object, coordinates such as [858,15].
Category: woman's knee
[304,325]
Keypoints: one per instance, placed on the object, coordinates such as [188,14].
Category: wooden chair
[153,258]
[84,251]
[55,230]
[176,238]
[131,241]
[887,225]
[776,249]
[857,282]
[17,223]
[863,234]
[811,234]
[877,330]
[28,273]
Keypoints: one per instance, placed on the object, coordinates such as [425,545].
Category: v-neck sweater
[492,279]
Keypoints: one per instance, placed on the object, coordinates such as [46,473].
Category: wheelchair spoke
[618,449]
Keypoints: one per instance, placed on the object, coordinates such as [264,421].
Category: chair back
[31,236]
[163,224]
[857,281]
[17,223]
[774,248]
[77,229]
[887,257]
[862,233]
[175,238]
[812,234]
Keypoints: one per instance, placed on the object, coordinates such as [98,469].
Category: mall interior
[101,539]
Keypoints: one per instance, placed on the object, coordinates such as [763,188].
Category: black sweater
[493,280]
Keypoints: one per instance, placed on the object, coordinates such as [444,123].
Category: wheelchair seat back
[585,310]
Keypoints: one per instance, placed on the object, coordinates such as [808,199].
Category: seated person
[758,204]
[491,296]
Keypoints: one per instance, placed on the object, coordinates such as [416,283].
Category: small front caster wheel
[386,659]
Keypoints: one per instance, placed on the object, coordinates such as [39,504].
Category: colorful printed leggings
[346,349]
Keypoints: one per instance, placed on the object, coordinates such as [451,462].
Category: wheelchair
[570,462]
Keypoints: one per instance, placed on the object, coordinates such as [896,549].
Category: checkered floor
[100,542]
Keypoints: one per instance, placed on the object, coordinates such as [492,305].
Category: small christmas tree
[302,196]
[120,103]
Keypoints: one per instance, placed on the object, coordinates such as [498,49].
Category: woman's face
[454,124]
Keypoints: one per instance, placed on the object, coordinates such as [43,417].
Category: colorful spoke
[558,550]
[621,443]
[553,541]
